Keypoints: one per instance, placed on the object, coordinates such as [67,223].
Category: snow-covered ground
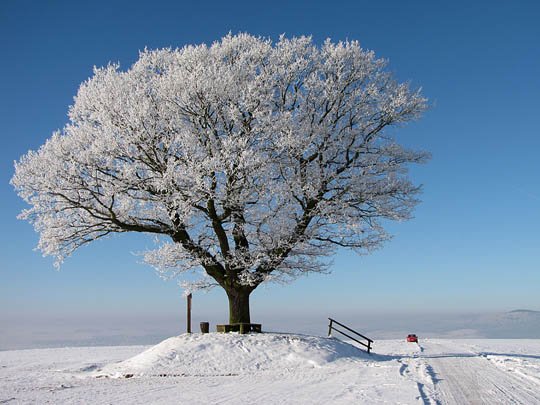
[276,368]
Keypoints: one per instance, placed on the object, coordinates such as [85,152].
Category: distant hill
[528,311]
[520,323]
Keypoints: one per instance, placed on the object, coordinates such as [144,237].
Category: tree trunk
[239,306]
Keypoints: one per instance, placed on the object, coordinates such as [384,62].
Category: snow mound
[216,354]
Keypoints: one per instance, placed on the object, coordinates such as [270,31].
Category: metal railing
[331,327]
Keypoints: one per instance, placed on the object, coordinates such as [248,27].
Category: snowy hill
[216,354]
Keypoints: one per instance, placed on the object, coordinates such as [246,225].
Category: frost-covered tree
[251,161]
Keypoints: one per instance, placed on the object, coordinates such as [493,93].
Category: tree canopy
[250,160]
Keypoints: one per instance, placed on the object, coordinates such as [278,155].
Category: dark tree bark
[239,305]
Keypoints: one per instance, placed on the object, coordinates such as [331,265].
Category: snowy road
[453,372]
[278,370]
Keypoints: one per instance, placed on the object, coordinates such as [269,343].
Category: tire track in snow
[415,370]
[468,378]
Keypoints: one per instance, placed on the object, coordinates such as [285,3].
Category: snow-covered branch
[255,159]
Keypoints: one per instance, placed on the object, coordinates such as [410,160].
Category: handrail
[331,327]
[353,331]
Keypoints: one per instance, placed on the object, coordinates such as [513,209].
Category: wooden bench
[239,327]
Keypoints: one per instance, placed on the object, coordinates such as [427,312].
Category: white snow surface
[233,354]
[273,368]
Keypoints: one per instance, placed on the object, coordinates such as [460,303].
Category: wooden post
[189,312]
[330,327]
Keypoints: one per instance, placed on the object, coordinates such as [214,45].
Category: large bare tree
[250,160]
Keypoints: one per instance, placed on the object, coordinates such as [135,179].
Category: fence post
[330,327]
[188,323]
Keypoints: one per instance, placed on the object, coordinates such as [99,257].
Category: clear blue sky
[474,242]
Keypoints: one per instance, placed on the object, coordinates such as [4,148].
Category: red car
[412,338]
